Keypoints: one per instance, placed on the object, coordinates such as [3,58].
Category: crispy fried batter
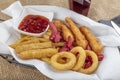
[94,43]
[32,46]
[58,24]
[81,57]
[66,66]
[66,33]
[79,37]
[94,65]
[38,53]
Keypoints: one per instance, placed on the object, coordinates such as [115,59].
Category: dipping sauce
[34,24]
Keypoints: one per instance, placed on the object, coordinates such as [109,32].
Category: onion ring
[66,66]
[81,57]
[94,65]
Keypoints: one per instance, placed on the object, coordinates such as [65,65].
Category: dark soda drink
[80,6]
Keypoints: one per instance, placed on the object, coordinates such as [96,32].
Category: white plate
[103,71]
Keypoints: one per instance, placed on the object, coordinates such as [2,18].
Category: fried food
[67,46]
[48,32]
[59,44]
[28,40]
[66,66]
[46,59]
[55,34]
[81,56]
[94,43]
[43,40]
[67,33]
[94,65]
[63,47]
[32,46]
[38,53]
[62,60]
[79,37]
[25,42]
[47,35]
[58,24]
[23,39]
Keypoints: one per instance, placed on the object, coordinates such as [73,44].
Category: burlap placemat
[100,9]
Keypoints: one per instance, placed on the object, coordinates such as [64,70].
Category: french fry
[25,42]
[46,59]
[48,33]
[59,44]
[32,46]
[43,39]
[46,36]
[38,53]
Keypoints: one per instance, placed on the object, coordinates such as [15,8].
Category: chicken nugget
[94,43]
[79,37]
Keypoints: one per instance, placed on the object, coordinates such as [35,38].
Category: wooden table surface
[99,9]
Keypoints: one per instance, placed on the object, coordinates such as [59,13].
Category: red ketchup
[34,24]
[88,62]
[100,56]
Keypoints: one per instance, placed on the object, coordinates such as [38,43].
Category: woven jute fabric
[99,9]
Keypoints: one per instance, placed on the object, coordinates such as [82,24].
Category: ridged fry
[25,42]
[59,44]
[38,53]
[46,59]
[32,46]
